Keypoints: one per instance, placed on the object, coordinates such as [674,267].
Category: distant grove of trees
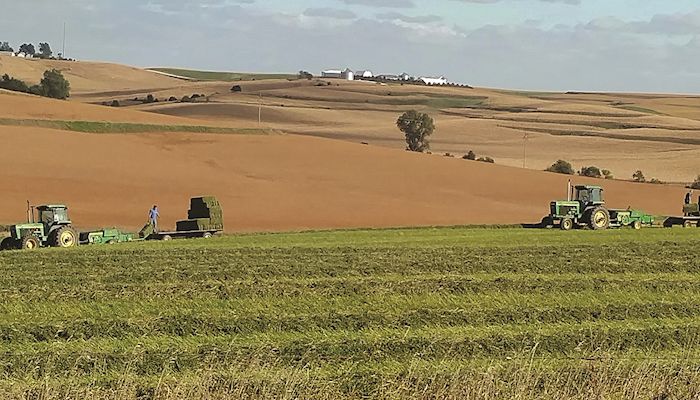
[44,52]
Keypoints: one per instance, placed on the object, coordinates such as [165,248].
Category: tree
[54,85]
[470,156]
[45,50]
[696,184]
[607,174]
[639,177]
[5,46]
[591,172]
[305,75]
[28,49]
[417,127]
[561,167]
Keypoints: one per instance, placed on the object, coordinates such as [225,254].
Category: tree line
[53,85]
[44,51]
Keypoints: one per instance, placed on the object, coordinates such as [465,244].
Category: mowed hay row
[360,314]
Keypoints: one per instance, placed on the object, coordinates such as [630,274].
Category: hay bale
[146,231]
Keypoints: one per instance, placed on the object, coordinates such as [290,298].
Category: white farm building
[338,74]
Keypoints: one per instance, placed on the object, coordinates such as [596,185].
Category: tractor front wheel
[599,219]
[30,242]
[566,224]
[637,225]
[63,237]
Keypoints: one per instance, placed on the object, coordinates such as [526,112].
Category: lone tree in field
[417,127]
[54,85]
[639,177]
[561,167]
[28,49]
[45,50]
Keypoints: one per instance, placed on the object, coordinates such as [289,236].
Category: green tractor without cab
[586,208]
[52,228]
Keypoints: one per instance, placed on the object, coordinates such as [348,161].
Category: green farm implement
[585,207]
[106,236]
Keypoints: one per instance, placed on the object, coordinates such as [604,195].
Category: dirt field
[305,180]
[277,182]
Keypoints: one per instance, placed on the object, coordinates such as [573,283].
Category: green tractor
[586,208]
[52,228]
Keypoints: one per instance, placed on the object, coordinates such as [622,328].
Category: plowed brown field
[307,180]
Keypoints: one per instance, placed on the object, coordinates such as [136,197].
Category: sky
[557,45]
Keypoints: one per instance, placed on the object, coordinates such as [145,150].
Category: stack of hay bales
[205,214]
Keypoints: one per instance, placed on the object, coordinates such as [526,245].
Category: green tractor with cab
[46,226]
[585,207]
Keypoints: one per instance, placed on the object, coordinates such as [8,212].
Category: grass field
[124,127]
[221,76]
[405,313]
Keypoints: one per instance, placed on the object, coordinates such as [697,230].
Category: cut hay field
[446,313]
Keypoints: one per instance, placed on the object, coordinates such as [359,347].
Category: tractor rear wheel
[7,244]
[599,219]
[30,242]
[566,224]
[63,237]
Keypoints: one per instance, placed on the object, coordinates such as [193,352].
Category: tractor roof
[588,187]
[51,206]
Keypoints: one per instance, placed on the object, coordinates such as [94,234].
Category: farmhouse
[433,81]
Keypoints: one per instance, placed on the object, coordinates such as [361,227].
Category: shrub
[656,181]
[149,99]
[186,99]
[172,98]
[696,184]
[417,127]
[13,84]
[607,174]
[470,156]
[486,160]
[448,155]
[115,103]
[561,167]
[591,172]
[639,176]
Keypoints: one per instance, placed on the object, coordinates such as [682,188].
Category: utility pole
[260,109]
[64,41]
[525,138]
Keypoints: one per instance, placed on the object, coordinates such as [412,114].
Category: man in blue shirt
[153,217]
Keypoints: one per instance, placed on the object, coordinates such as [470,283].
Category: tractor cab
[589,195]
[50,215]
